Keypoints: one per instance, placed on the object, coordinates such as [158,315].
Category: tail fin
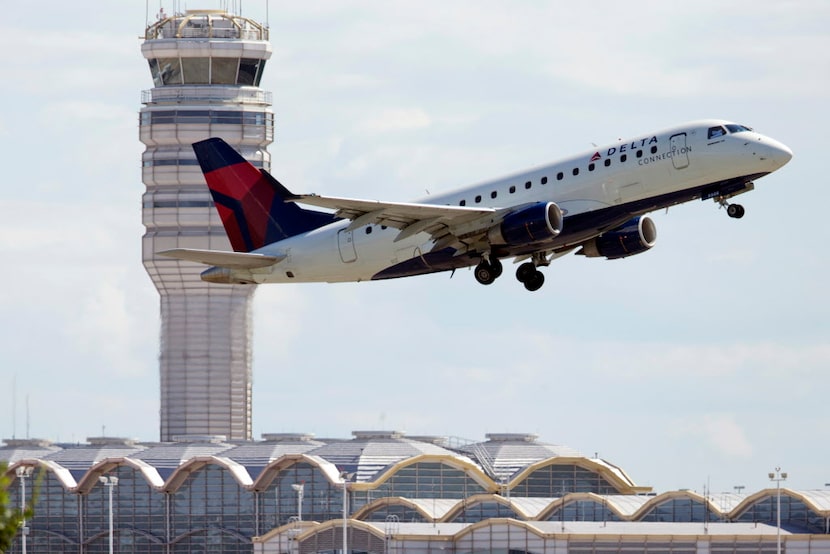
[251,203]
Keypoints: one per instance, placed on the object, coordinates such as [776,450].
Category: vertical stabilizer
[251,203]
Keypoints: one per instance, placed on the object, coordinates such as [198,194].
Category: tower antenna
[14,406]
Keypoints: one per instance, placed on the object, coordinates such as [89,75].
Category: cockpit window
[715,132]
[734,128]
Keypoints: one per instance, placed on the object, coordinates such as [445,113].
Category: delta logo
[596,157]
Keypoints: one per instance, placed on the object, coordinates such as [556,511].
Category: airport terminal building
[285,493]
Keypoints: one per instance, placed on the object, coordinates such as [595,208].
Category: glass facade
[278,503]
[421,480]
[479,511]
[680,509]
[796,516]
[203,507]
[558,480]
[583,510]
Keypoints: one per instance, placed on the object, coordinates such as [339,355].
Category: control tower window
[250,71]
[203,71]
[169,71]
[196,71]
[223,71]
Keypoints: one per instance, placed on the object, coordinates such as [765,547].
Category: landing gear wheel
[485,273]
[535,281]
[498,269]
[524,271]
[735,211]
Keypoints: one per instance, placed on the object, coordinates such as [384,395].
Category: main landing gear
[735,211]
[491,269]
[488,271]
[530,277]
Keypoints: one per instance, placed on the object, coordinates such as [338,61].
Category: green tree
[11,517]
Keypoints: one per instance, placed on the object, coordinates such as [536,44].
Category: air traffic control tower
[206,67]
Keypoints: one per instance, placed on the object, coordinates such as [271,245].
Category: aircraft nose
[773,152]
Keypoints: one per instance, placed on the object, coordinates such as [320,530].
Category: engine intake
[634,237]
[534,223]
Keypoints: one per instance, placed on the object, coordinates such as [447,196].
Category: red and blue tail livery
[594,204]
[251,203]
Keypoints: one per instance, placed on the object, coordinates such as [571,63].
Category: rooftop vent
[287,437]
[439,441]
[17,443]
[211,439]
[103,441]
[514,437]
[378,434]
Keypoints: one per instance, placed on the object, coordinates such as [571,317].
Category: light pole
[109,481]
[778,476]
[299,488]
[346,477]
[23,473]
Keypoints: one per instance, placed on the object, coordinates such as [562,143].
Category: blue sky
[703,360]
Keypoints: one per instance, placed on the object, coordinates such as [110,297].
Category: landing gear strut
[488,271]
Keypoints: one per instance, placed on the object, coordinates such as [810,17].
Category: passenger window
[494,194]
[544,180]
[528,185]
[478,199]
[576,171]
[623,158]
[715,132]
[512,189]
[560,176]
[591,167]
[368,230]
[607,162]
[639,153]
[653,149]
[462,203]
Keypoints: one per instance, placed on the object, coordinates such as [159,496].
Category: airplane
[594,203]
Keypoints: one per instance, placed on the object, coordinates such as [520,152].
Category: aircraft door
[345,242]
[679,151]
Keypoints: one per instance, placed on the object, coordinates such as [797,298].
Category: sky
[702,362]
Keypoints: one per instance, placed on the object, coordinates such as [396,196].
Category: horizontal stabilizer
[221,258]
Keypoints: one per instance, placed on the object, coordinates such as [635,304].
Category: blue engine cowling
[634,237]
[533,223]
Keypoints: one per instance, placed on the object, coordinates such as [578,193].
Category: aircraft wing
[221,258]
[453,226]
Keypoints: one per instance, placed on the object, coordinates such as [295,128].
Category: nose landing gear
[735,211]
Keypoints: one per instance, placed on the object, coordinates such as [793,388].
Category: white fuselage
[661,165]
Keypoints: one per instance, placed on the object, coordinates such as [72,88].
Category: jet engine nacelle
[634,237]
[533,223]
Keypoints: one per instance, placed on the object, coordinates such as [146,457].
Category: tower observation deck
[206,67]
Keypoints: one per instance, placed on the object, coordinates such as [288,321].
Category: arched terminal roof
[167,457]
[256,456]
[370,453]
[506,454]
[78,459]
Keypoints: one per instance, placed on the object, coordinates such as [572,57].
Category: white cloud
[720,431]
[396,119]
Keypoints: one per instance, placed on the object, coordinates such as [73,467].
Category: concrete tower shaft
[206,67]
